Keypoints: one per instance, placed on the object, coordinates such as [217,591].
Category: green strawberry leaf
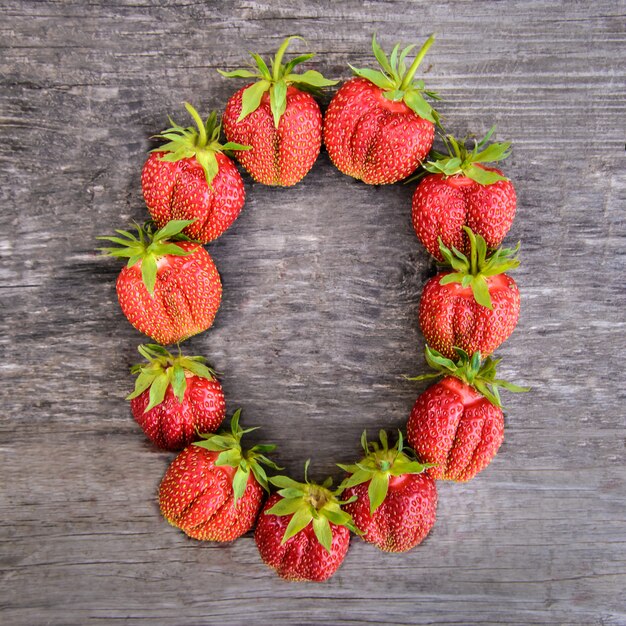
[480,289]
[394,95]
[199,369]
[213,444]
[415,101]
[286,506]
[510,386]
[262,66]
[377,490]
[173,227]
[208,162]
[403,55]
[381,57]
[230,457]
[238,74]
[144,380]
[278,100]
[157,391]
[179,382]
[171,249]
[149,273]
[310,77]
[240,480]
[494,152]
[321,528]
[374,76]
[260,473]
[291,492]
[251,98]
[284,482]
[231,145]
[300,520]
[359,476]
[485,140]
[299,59]
[481,176]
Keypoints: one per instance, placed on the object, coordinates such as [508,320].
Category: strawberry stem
[408,77]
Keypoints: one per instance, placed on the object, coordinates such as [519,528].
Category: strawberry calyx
[164,369]
[276,81]
[397,82]
[461,160]
[474,271]
[477,373]
[228,444]
[148,247]
[379,465]
[201,142]
[311,503]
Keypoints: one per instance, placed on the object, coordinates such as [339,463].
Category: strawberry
[302,532]
[175,397]
[169,290]
[476,306]
[190,178]
[276,116]
[461,191]
[457,424]
[395,501]
[213,490]
[378,127]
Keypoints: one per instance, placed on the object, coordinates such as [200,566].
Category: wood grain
[318,322]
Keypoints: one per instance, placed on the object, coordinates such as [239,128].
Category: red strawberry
[395,502]
[213,490]
[169,290]
[378,128]
[175,397]
[457,423]
[189,178]
[302,532]
[462,192]
[476,306]
[276,116]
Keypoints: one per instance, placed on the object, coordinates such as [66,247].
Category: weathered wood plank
[318,322]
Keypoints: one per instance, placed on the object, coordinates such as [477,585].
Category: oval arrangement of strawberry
[379,129]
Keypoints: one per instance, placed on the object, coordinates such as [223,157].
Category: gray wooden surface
[318,321]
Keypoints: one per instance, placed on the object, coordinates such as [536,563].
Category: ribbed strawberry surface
[197,496]
[404,518]
[450,317]
[455,427]
[374,139]
[279,156]
[302,557]
[443,205]
[172,425]
[179,191]
[186,297]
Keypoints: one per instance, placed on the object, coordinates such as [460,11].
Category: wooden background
[318,322]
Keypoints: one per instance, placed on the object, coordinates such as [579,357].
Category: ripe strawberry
[169,290]
[175,397]
[302,533]
[189,178]
[276,116]
[462,192]
[213,490]
[476,306]
[457,424]
[378,127]
[395,502]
